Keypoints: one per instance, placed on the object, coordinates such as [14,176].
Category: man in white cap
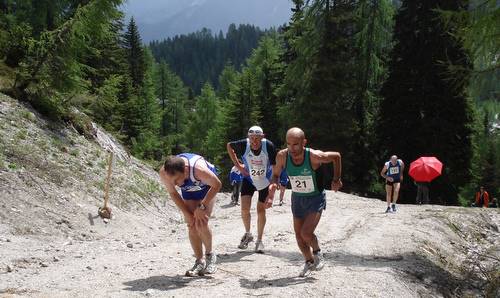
[258,155]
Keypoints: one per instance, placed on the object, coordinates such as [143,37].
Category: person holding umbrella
[392,172]
[423,171]
[422,193]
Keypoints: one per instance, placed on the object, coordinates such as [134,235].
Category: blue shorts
[302,206]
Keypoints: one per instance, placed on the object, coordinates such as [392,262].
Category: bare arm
[402,170]
[205,175]
[384,170]
[319,157]
[235,160]
[232,154]
[277,168]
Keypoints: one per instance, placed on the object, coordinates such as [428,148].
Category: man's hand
[390,179]
[200,218]
[270,196]
[401,178]
[336,185]
[269,202]
[189,218]
[242,169]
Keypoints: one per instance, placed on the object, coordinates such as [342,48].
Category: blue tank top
[192,188]
[283,178]
[235,176]
[394,171]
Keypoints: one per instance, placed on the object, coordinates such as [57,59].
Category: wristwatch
[202,206]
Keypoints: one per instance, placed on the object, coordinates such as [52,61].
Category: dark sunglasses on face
[254,132]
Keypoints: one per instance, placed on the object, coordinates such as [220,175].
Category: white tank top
[258,166]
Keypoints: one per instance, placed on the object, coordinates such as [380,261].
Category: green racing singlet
[302,177]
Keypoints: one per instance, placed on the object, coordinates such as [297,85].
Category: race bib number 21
[302,184]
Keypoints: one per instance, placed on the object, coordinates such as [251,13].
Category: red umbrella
[425,169]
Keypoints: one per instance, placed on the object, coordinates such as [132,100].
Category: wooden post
[108,180]
[105,212]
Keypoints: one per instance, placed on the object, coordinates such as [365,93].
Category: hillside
[52,178]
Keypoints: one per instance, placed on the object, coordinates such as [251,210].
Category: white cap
[255,130]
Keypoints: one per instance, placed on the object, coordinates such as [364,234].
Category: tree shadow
[229,205]
[162,283]
[277,282]
[410,267]
[291,256]
[234,257]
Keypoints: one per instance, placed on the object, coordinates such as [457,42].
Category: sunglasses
[255,132]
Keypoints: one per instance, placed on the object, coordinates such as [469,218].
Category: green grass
[102,163]
[12,166]
[43,145]
[28,115]
[22,134]
[137,190]
[99,185]
[464,202]
[7,76]
[74,152]
[58,143]
[3,162]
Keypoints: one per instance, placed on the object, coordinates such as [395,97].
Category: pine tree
[226,79]
[201,56]
[248,110]
[373,39]
[52,67]
[135,54]
[264,63]
[106,72]
[162,77]
[146,116]
[202,119]
[287,90]
[323,74]
[175,114]
[477,28]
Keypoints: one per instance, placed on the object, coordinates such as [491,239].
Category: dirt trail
[416,252]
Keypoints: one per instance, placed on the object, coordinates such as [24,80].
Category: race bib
[393,171]
[258,171]
[302,184]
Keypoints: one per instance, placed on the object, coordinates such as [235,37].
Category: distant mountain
[159,19]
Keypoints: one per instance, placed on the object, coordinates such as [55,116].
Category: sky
[159,19]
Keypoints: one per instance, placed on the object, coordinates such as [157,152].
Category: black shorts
[247,189]
[387,182]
